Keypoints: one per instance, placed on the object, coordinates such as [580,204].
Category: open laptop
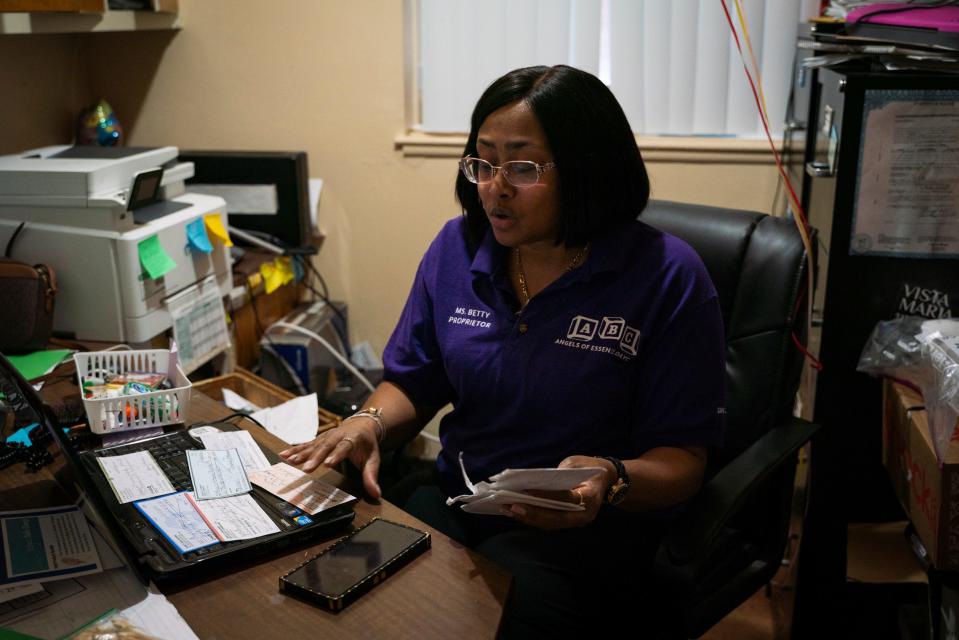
[149,551]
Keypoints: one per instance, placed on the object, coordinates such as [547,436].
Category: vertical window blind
[672,64]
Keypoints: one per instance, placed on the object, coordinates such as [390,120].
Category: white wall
[323,76]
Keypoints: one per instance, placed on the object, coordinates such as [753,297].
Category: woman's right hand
[354,440]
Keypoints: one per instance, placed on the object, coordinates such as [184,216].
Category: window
[672,64]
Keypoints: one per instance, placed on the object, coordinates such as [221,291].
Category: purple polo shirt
[624,354]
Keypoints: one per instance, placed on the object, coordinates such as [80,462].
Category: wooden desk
[448,592]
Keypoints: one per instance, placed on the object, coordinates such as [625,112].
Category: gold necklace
[573,263]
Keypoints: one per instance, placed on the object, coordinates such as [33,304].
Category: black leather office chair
[730,540]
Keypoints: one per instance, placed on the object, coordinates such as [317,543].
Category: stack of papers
[220,507]
[513,486]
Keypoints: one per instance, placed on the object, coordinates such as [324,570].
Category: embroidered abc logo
[630,341]
[582,328]
[612,328]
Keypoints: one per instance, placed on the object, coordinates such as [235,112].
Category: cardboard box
[928,493]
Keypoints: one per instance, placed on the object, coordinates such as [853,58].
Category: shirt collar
[490,256]
[609,251]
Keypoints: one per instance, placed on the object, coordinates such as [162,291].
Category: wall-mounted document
[907,192]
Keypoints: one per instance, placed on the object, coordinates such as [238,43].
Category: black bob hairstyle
[603,181]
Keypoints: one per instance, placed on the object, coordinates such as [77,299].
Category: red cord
[782,172]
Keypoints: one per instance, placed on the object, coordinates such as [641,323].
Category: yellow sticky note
[272,277]
[254,280]
[284,265]
[215,226]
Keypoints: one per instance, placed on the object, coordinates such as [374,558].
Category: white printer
[91,213]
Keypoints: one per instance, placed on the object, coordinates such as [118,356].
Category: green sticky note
[33,365]
[154,259]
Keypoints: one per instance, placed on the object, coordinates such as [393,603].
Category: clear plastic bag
[923,354]
[893,351]
[940,392]
[111,626]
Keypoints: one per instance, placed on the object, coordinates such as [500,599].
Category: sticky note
[215,226]
[254,280]
[284,265]
[272,277]
[196,235]
[154,259]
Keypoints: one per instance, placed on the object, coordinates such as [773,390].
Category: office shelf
[77,22]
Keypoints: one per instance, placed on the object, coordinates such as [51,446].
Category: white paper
[943,326]
[250,452]
[295,421]
[543,479]
[510,487]
[492,502]
[203,430]
[296,487]
[316,190]
[235,401]
[46,544]
[66,605]
[241,199]
[907,194]
[109,558]
[156,616]
[18,591]
[217,474]
[177,519]
[236,518]
[135,476]
[199,323]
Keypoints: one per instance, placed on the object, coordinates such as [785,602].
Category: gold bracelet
[376,415]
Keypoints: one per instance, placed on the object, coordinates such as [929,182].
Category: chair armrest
[695,530]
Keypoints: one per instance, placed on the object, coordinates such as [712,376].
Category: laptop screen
[24,416]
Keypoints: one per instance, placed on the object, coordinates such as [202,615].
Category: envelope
[511,485]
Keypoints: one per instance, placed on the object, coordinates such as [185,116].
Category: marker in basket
[174,361]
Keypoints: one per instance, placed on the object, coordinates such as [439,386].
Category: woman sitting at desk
[564,333]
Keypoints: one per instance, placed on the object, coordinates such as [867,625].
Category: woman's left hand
[590,493]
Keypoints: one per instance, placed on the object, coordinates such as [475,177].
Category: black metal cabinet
[856,289]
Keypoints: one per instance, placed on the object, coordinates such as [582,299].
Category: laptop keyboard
[169,451]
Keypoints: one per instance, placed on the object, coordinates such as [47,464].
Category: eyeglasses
[519,173]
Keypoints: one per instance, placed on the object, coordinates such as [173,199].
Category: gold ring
[582,500]
[348,439]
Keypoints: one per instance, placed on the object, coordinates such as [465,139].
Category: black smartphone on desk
[350,567]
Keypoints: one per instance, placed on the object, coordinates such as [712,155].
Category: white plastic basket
[137,411]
